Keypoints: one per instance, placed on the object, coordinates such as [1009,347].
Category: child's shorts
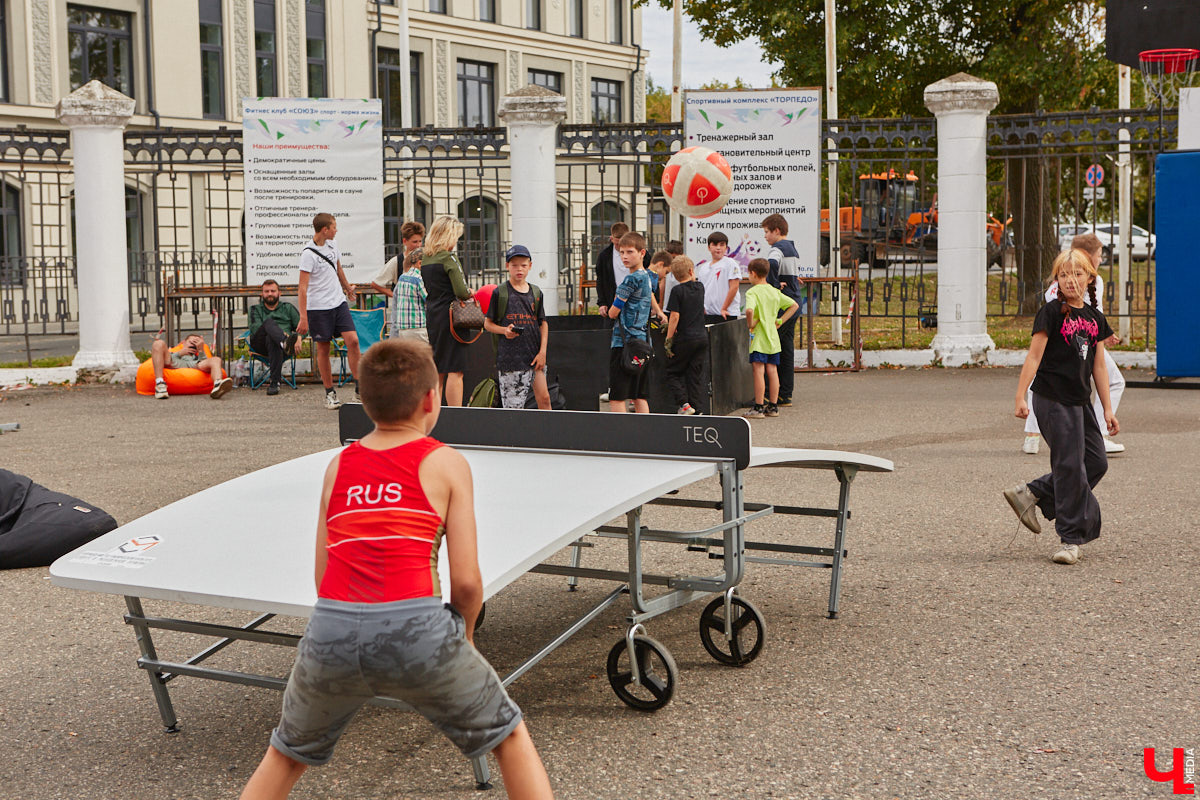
[515,388]
[412,650]
[764,358]
[622,385]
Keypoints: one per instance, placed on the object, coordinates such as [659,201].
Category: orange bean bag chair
[179,381]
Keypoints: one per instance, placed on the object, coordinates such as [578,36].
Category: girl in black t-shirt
[1065,353]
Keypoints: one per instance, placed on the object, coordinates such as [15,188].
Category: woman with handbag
[444,285]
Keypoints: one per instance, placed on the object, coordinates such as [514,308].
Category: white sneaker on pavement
[331,400]
[1113,447]
[160,390]
[1032,444]
[222,386]
[1067,554]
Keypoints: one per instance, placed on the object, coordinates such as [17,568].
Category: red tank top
[383,536]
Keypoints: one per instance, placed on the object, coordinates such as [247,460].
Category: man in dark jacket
[609,269]
[273,326]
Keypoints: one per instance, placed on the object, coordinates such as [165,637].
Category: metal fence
[184,218]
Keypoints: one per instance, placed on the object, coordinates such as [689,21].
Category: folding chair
[261,358]
[369,325]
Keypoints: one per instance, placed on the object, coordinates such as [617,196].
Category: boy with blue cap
[517,316]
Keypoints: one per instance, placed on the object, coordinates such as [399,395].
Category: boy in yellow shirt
[763,304]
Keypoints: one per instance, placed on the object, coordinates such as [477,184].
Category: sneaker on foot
[755,412]
[686,409]
[1113,447]
[160,390]
[1032,444]
[222,386]
[289,344]
[783,402]
[1067,554]
[771,410]
[331,399]
[1024,503]
[272,389]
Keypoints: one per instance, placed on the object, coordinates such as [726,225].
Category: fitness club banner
[302,157]
[772,141]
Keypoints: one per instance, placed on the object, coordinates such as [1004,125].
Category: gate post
[961,104]
[532,116]
[97,116]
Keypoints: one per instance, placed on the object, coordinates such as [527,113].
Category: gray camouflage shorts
[412,650]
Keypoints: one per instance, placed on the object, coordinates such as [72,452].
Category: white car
[1142,239]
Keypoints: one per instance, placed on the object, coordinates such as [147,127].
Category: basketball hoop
[1165,71]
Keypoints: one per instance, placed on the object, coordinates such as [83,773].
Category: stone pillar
[532,115]
[961,104]
[97,116]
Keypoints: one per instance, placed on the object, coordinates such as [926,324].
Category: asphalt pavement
[964,663]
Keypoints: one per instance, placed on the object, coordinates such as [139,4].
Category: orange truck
[890,222]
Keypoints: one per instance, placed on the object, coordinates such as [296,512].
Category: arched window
[139,270]
[604,214]
[12,268]
[479,246]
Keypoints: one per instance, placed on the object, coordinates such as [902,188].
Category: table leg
[845,475]
[158,683]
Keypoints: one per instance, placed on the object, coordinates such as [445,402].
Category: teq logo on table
[1183,769]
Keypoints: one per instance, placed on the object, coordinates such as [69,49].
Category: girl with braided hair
[1068,333]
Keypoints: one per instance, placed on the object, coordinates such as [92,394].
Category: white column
[961,104]
[97,116]
[532,115]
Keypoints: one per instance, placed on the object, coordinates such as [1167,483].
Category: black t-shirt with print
[516,355]
[688,299]
[1065,373]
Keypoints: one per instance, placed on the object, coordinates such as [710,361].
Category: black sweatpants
[787,338]
[1077,463]
[685,372]
[269,340]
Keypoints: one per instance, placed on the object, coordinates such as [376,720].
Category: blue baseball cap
[517,250]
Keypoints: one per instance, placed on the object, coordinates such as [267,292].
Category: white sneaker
[223,386]
[331,400]
[1113,447]
[1067,554]
[686,409]
[1032,444]
[160,390]
[1024,505]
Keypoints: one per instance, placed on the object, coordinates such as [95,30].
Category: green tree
[658,102]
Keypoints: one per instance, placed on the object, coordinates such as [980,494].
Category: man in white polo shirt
[324,310]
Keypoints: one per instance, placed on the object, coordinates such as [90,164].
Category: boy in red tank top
[379,626]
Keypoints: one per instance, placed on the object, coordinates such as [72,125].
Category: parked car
[1142,239]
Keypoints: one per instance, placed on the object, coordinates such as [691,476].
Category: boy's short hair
[393,376]
[777,223]
[716,237]
[675,247]
[1087,242]
[632,239]
[413,258]
[272,282]
[681,266]
[619,229]
[322,221]
[662,257]
[411,229]
[759,266]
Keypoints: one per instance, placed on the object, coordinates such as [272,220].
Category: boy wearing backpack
[517,318]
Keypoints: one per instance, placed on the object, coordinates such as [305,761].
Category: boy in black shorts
[687,338]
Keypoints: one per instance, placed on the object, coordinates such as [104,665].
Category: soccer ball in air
[697,182]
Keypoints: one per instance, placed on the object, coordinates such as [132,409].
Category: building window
[139,270]
[3,54]
[603,215]
[314,26]
[437,6]
[550,80]
[394,216]
[533,15]
[480,242]
[606,101]
[100,47]
[476,93]
[487,10]
[390,86]
[12,264]
[575,20]
[212,79]
[265,48]
[618,22]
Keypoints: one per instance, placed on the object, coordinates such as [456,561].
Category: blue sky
[702,60]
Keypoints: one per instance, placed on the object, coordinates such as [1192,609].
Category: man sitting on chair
[191,354]
[273,326]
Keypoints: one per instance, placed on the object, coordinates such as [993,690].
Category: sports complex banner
[302,157]
[772,141]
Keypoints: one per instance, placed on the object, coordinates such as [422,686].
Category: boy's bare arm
[302,299]
[539,360]
[733,290]
[466,584]
[503,330]
[1100,376]
[791,311]
[673,324]
[750,321]
[322,555]
[1037,347]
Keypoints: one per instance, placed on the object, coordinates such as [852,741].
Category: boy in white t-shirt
[721,277]
[324,310]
